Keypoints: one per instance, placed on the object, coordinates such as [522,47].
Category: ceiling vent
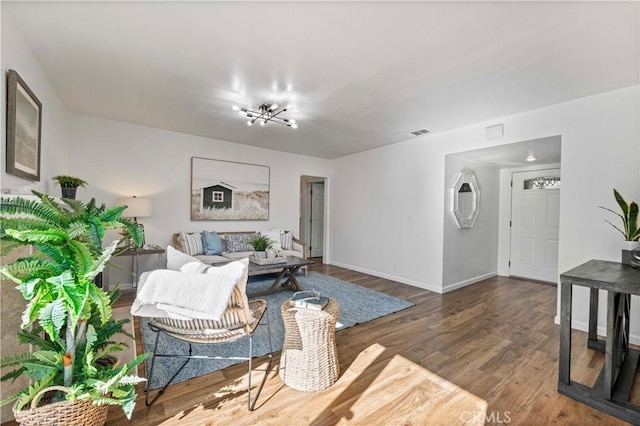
[420,132]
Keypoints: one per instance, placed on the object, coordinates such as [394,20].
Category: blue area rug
[357,305]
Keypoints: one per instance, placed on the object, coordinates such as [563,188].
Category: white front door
[535,215]
[317,219]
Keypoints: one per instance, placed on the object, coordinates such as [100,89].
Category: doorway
[535,224]
[312,214]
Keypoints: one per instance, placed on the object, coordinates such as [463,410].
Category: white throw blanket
[183,296]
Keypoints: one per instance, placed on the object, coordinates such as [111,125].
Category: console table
[610,393]
[135,254]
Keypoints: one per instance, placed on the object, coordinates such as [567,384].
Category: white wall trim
[469,281]
[602,331]
[418,284]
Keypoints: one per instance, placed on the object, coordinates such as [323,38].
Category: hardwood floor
[495,340]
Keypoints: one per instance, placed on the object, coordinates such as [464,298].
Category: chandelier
[266,113]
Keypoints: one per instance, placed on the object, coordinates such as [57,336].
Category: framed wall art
[24,124]
[225,190]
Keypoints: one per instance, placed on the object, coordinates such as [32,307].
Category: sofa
[234,245]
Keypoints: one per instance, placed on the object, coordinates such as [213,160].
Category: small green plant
[260,243]
[69,181]
[629,217]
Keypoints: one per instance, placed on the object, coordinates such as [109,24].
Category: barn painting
[225,190]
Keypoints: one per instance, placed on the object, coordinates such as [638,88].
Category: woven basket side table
[309,360]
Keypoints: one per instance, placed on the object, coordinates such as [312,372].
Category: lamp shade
[136,207]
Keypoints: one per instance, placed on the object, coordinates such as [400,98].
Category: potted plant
[67,319]
[69,185]
[629,216]
[260,244]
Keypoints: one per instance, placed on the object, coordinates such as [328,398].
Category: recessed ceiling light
[532,158]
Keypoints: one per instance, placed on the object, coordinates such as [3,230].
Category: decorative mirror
[465,199]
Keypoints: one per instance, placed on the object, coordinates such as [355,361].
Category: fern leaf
[33,337]
[11,360]
[25,397]
[100,263]
[9,244]
[91,336]
[37,236]
[12,375]
[102,303]
[53,317]
[82,257]
[76,229]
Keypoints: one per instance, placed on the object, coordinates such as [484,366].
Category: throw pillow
[239,242]
[191,243]
[237,268]
[286,241]
[194,268]
[211,243]
[176,259]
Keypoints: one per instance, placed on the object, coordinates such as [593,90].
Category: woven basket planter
[67,413]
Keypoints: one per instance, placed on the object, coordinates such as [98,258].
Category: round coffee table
[309,360]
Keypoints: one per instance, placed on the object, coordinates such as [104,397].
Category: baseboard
[378,274]
[121,286]
[602,331]
[468,282]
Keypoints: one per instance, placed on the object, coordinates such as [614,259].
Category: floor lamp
[136,207]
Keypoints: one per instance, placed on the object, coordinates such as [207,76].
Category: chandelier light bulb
[292,121]
[249,123]
[263,122]
[235,108]
[241,112]
[274,107]
[294,126]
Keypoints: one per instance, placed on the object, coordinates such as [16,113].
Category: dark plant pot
[69,193]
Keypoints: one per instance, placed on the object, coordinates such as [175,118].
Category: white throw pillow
[236,268]
[176,259]
[194,268]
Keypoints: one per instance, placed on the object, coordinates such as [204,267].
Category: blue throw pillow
[211,243]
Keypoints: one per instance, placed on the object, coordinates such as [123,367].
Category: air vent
[420,132]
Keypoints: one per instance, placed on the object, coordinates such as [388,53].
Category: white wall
[388,203]
[16,55]
[471,254]
[119,159]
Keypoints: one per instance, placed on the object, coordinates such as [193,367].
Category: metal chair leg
[153,361]
[251,403]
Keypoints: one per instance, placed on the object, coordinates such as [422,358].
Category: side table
[135,254]
[309,360]
[610,393]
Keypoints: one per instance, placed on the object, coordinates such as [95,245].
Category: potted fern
[69,185]
[260,244]
[67,319]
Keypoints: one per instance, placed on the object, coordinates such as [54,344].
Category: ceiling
[545,151]
[358,75]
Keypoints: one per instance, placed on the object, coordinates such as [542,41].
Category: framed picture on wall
[224,190]
[24,123]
